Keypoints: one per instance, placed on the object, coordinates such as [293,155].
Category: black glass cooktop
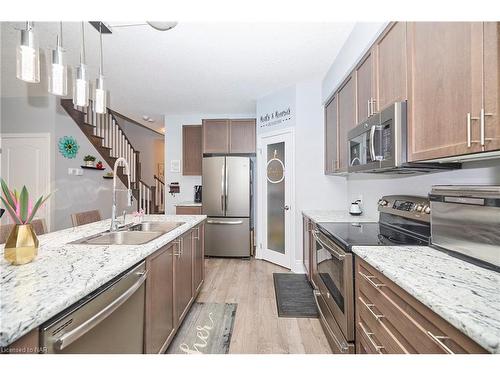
[347,235]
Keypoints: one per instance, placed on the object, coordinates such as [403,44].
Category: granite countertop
[188,204]
[330,216]
[62,274]
[465,295]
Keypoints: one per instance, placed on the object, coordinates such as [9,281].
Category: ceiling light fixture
[58,74]
[100,91]
[28,56]
[81,84]
[160,26]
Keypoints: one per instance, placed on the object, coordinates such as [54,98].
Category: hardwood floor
[257,327]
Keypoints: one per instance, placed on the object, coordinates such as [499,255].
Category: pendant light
[28,56]
[81,84]
[100,92]
[58,73]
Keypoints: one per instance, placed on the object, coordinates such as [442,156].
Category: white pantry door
[275,198]
[25,160]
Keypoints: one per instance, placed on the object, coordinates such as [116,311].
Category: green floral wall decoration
[68,147]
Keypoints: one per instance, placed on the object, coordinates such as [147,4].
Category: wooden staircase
[109,139]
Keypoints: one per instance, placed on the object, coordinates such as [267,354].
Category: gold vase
[22,245]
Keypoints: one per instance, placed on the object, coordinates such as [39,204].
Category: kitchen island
[63,273]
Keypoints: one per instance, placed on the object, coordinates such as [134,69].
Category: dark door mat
[207,329]
[294,296]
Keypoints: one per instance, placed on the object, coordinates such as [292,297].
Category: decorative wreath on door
[275,169]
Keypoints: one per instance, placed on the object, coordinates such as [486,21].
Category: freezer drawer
[227,237]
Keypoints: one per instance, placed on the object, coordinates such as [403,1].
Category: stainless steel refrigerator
[227,203]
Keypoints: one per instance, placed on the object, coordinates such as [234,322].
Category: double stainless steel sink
[136,234]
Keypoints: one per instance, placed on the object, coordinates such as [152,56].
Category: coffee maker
[197,193]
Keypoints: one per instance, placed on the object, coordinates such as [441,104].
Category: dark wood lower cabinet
[175,276]
[183,275]
[389,320]
[159,299]
[198,258]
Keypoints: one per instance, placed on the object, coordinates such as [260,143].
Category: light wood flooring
[257,327]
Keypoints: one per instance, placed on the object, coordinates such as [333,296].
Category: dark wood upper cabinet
[331,136]
[215,136]
[159,299]
[242,137]
[224,136]
[346,119]
[445,89]
[491,74]
[364,88]
[391,66]
[191,150]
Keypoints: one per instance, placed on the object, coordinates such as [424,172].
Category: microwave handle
[372,143]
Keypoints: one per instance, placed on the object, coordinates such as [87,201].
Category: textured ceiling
[193,68]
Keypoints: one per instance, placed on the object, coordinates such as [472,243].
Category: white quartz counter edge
[62,273]
[188,204]
[465,295]
[332,216]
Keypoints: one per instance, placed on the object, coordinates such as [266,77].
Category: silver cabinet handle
[180,244]
[469,135]
[343,348]
[369,107]
[372,143]
[483,130]
[373,106]
[369,335]
[437,340]
[336,254]
[369,279]
[197,237]
[237,222]
[369,308]
[86,326]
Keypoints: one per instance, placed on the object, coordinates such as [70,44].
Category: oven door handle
[73,335]
[343,348]
[328,248]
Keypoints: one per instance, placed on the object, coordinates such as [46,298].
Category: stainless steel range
[404,220]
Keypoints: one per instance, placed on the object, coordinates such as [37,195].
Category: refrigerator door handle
[235,222]
[226,192]
[222,195]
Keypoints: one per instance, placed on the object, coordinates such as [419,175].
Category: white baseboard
[298,267]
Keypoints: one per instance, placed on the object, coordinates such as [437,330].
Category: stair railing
[160,193]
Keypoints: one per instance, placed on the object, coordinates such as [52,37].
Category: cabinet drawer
[369,340]
[374,322]
[413,326]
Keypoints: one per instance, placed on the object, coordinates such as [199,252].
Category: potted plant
[89,160]
[22,244]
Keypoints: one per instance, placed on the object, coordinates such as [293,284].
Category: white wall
[173,151]
[357,44]
[313,189]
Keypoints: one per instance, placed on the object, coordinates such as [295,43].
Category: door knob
[286,208]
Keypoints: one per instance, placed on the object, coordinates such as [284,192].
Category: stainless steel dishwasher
[109,320]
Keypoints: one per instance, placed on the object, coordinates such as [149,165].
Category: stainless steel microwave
[378,145]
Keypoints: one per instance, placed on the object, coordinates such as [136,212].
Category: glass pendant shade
[100,95]
[58,74]
[81,87]
[28,58]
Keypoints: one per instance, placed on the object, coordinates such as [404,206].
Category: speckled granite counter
[62,274]
[465,295]
[329,216]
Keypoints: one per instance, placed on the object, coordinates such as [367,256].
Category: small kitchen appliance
[465,221]
[355,208]
[197,193]
[378,145]
[403,220]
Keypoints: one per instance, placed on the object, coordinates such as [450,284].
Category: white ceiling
[195,67]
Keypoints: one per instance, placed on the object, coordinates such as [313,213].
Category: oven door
[333,278]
